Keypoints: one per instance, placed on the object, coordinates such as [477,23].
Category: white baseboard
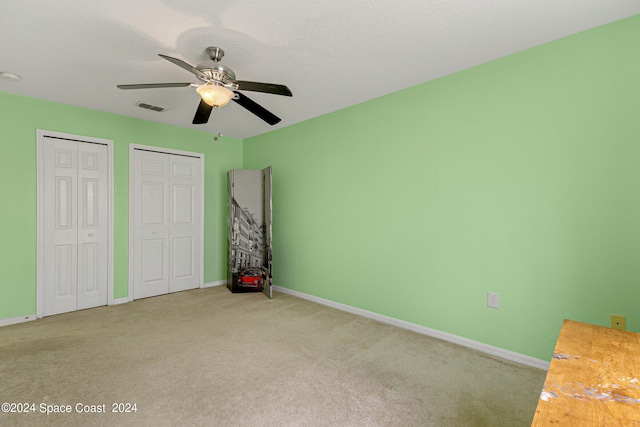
[206,285]
[19,319]
[216,283]
[475,345]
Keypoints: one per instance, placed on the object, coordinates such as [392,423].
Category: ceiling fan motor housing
[217,73]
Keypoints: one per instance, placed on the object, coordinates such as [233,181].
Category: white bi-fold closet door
[74,223]
[166,222]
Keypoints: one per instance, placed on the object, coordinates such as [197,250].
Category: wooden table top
[593,378]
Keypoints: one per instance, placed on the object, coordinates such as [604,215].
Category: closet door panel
[151,224]
[185,223]
[167,223]
[61,227]
[93,228]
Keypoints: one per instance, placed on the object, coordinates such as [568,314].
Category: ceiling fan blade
[189,68]
[256,109]
[263,87]
[153,85]
[202,113]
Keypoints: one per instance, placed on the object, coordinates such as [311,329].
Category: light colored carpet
[208,357]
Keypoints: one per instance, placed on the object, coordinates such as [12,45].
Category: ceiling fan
[218,87]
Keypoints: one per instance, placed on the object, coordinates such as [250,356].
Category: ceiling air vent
[150,107]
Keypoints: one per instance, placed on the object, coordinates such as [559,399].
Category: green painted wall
[520,176]
[19,119]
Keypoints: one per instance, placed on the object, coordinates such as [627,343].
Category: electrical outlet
[619,322]
[493,300]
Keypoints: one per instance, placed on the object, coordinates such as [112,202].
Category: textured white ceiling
[331,53]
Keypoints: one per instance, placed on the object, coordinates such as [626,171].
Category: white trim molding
[455,339]
[120,301]
[216,283]
[20,319]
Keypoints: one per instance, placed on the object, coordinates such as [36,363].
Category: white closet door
[167,223]
[92,225]
[151,224]
[185,223]
[75,233]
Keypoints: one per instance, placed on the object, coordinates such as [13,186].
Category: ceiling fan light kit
[215,95]
[219,86]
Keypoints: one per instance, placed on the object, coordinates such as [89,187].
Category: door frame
[41,136]
[199,156]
